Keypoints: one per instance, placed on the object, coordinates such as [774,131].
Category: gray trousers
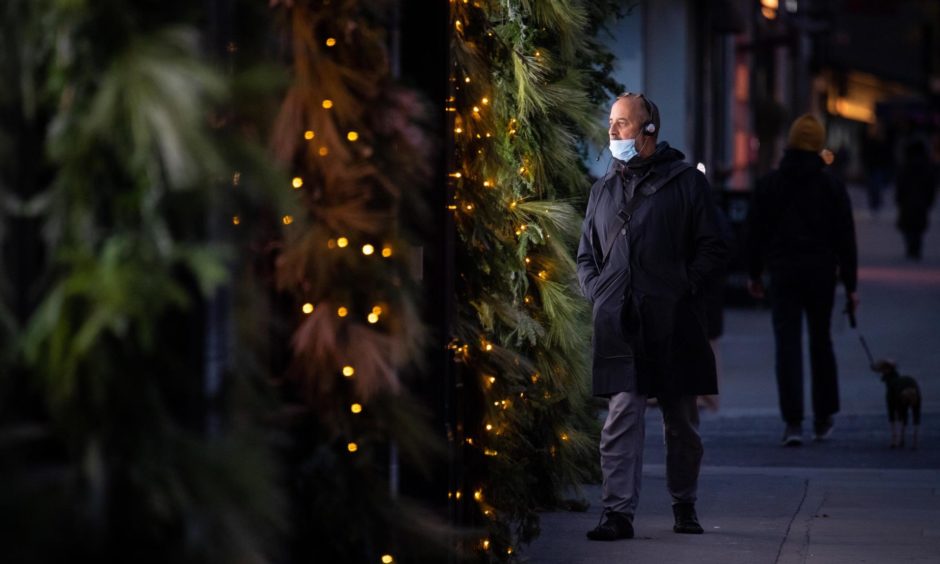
[622,450]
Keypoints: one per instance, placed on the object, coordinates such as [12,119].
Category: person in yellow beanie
[800,230]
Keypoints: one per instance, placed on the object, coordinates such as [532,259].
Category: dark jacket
[647,249]
[915,190]
[801,219]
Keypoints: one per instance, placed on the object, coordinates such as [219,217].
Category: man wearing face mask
[648,245]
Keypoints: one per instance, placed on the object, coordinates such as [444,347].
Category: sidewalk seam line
[799,507]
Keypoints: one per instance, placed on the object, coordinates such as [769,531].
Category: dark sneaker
[793,435]
[613,526]
[686,519]
[822,428]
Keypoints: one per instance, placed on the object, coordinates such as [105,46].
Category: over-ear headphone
[648,128]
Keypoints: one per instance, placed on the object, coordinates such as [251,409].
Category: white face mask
[623,149]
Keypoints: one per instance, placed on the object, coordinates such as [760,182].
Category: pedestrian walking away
[649,246]
[800,229]
[915,192]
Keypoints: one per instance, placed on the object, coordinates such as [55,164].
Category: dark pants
[792,293]
[913,241]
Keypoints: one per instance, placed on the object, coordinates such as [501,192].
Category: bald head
[628,116]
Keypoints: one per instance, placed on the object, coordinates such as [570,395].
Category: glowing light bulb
[330,41]
[349,371]
[307,308]
[308,135]
[352,136]
[352,447]
[355,408]
[368,249]
[387,559]
[323,151]
[287,220]
[327,104]
[297,182]
[342,242]
[236,220]
[386,252]
[372,318]
[342,311]
[377,310]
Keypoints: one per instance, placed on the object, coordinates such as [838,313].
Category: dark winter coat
[914,193]
[647,249]
[801,219]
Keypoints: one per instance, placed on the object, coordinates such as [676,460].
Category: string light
[355,408]
[486,544]
[297,182]
[457,494]
[327,104]
[308,135]
[489,452]
[489,427]
[323,151]
[342,311]
[485,101]
[352,136]
[349,371]
[386,252]
[564,436]
[331,244]
[387,559]
[372,318]
[307,308]
[478,495]
[236,177]
[330,41]
[352,447]
[236,220]
[377,310]
[368,249]
[287,219]
[342,242]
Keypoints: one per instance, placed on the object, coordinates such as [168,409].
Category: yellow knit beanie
[807,134]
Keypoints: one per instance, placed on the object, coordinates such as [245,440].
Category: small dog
[902,394]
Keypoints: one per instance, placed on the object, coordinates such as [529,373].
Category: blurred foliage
[108,163]
[356,145]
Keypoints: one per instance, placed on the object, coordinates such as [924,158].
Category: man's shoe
[686,519]
[613,526]
[793,435]
[822,428]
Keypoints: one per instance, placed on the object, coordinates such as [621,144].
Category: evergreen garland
[524,98]
[343,268]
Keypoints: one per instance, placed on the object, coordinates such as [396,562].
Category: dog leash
[850,311]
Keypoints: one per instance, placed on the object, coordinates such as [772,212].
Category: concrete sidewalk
[768,515]
[847,500]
